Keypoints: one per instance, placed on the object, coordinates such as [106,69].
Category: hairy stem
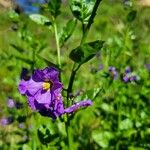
[57,44]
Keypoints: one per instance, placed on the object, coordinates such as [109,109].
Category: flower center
[46,85]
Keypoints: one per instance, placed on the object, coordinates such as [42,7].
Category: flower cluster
[43,91]
[129,76]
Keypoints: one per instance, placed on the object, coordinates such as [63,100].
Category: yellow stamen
[46,85]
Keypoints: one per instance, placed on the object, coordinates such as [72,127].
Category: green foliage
[54,7]
[85,52]
[82,9]
[119,116]
[40,19]
[131,15]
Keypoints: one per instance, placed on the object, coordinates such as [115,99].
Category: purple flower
[129,76]
[147,66]
[6,121]
[43,91]
[127,70]
[10,103]
[133,78]
[126,78]
[113,72]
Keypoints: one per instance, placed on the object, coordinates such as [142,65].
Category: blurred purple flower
[43,92]
[133,78]
[6,121]
[101,66]
[10,103]
[21,125]
[113,72]
[147,66]
[129,76]
[127,70]
[126,78]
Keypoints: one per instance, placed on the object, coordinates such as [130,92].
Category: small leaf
[85,52]
[82,9]
[67,31]
[40,19]
[102,138]
[14,16]
[45,136]
[54,7]
[131,15]
[126,124]
[28,61]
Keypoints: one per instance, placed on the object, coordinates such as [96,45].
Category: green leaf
[40,19]
[126,124]
[18,48]
[44,135]
[102,138]
[54,7]
[13,15]
[85,52]
[131,15]
[67,31]
[49,63]
[82,9]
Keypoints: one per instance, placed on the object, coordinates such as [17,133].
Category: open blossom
[43,91]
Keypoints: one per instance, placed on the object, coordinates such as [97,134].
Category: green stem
[85,31]
[57,44]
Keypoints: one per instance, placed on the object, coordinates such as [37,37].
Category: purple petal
[78,105]
[23,86]
[38,76]
[126,78]
[31,102]
[57,87]
[43,97]
[31,87]
[51,73]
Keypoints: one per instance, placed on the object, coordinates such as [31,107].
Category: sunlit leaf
[102,138]
[82,9]
[40,19]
